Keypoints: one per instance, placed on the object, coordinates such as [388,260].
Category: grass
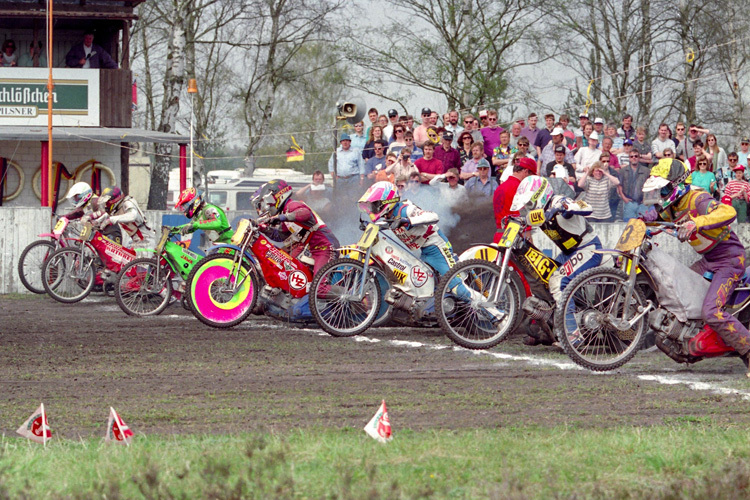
[687,459]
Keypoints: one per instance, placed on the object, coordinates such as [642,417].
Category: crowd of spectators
[85,54]
[605,164]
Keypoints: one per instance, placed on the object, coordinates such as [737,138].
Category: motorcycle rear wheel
[581,322]
[466,321]
[67,276]
[137,292]
[31,262]
[333,298]
[210,299]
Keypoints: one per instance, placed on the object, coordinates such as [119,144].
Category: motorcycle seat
[708,275]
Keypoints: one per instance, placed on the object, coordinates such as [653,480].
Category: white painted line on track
[695,385]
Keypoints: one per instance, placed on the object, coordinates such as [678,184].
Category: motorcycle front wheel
[222,295]
[31,262]
[588,319]
[339,303]
[67,276]
[470,308]
[138,291]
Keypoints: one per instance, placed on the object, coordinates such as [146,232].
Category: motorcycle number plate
[509,235]
[368,237]
[86,232]
[59,227]
[240,233]
[632,235]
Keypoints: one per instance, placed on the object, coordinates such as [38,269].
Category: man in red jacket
[503,197]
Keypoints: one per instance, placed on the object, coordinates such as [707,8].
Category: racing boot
[746,359]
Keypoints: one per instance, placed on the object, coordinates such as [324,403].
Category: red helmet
[112,197]
[189,202]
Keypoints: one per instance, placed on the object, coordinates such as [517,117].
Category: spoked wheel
[472,309]
[139,291]
[67,276]
[342,306]
[588,319]
[31,262]
[220,295]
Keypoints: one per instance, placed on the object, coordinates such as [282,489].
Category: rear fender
[48,235]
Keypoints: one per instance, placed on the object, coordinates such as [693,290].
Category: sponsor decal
[541,264]
[536,217]
[297,280]
[389,250]
[283,275]
[400,276]
[552,234]
[570,243]
[418,276]
[185,258]
[398,265]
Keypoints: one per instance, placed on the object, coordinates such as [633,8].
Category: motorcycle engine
[276,297]
[672,334]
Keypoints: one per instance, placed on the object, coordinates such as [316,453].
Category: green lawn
[687,459]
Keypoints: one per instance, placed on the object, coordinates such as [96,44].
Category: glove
[186,229]
[686,230]
[102,221]
[399,223]
[650,215]
[276,219]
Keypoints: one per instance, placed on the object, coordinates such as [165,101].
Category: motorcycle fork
[365,268]
[630,284]
[503,272]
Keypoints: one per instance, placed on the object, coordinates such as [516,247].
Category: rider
[704,222]
[300,224]
[117,208]
[204,216]
[566,225]
[84,203]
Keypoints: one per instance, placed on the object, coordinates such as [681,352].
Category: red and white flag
[36,427]
[117,430]
[379,427]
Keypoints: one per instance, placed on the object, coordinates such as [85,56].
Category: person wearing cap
[583,119]
[530,131]
[744,152]
[587,156]
[446,153]
[627,131]
[547,154]
[491,134]
[483,185]
[624,158]
[350,167]
[599,127]
[420,133]
[483,117]
[502,199]
[388,127]
[560,166]
[545,135]
[737,191]
[89,55]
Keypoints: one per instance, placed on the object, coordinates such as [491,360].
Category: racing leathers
[129,217]
[418,230]
[213,221]
[722,254]
[301,226]
[86,213]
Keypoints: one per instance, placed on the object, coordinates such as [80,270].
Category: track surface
[171,374]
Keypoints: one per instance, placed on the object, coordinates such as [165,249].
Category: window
[218,198]
[244,200]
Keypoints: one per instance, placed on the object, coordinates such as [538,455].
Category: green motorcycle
[146,286]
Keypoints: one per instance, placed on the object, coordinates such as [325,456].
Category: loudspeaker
[353,111]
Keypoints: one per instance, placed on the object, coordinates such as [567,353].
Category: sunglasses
[703,163]
[401,186]
[468,121]
[523,144]
[452,178]
[680,129]
[399,131]
[732,159]
[405,156]
[483,168]
[492,119]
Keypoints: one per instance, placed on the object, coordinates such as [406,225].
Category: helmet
[112,197]
[533,192]
[80,194]
[379,199]
[273,196]
[189,202]
[670,180]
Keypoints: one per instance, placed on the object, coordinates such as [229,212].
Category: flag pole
[50,85]
[44,424]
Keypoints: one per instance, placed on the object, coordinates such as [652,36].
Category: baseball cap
[556,131]
[448,135]
[559,148]
[583,115]
[599,120]
[528,164]
[745,140]
[739,167]
[627,142]
[483,163]
[483,113]
[594,136]
[392,112]
[426,111]
[345,137]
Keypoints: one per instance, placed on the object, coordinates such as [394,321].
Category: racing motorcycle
[346,291]
[37,252]
[603,315]
[146,285]
[70,273]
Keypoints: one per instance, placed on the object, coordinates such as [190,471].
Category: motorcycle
[146,285]
[603,315]
[70,273]
[37,252]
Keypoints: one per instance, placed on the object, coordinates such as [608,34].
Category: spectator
[429,166]
[718,158]
[420,133]
[434,118]
[743,153]
[10,56]
[482,184]
[410,123]
[449,190]
[530,131]
[597,183]
[515,134]
[465,142]
[503,197]
[454,127]
[582,141]
[697,151]
[630,190]
[626,131]
[89,55]
[737,192]
[639,144]
[350,167]
[568,135]
[35,58]
[662,142]
[469,169]
[413,186]
[624,158]
[491,134]
[390,161]
[583,119]
[376,163]
[376,134]
[599,127]
[446,153]
[501,154]
[359,140]
[446,119]
[401,183]
[372,114]
[392,121]
[614,162]
[544,136]
[606,160]
[561,168]
[416,153]
[678,139]
[317,195]
[587,156]
[483,118]
[702,177]
[694,134]
[397,143]
[403,166]
[547,154]
[611,131]
[521,152]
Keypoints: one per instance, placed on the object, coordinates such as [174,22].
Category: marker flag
[379,427]
[36,427]
[117,430]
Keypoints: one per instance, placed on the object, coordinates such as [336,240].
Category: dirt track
[171,374]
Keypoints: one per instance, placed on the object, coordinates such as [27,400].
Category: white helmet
[533,192]
[80,194]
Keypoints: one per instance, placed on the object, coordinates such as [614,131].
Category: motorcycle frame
[85,243]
